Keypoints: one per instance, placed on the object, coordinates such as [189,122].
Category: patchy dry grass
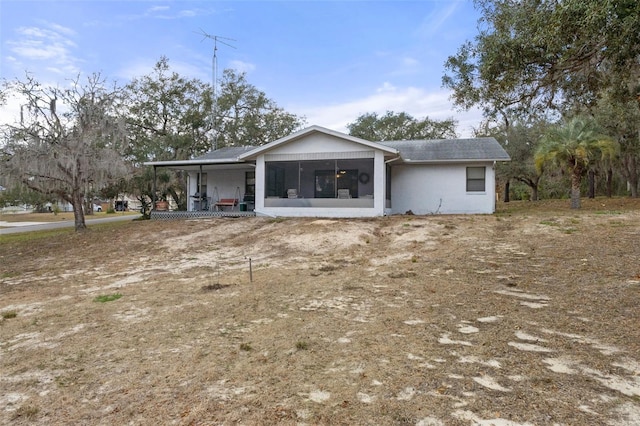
[39,217]
[56,217]
[441,320]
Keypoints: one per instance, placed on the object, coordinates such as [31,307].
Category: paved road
[65,224]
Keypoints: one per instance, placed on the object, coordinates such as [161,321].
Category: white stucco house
[317,172]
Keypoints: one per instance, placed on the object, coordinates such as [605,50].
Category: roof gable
[310,131]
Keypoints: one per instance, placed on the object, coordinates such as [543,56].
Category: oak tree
[68,141]
[400,126]
[246,116]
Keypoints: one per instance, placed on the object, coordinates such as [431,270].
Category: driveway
[16,227]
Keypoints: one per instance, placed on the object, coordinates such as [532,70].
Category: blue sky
[329,61]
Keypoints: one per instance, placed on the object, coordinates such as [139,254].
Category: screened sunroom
[319,183]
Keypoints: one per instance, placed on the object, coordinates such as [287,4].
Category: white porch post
[260,184]
[379,179]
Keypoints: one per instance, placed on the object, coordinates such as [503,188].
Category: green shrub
[107,298]
[9,314]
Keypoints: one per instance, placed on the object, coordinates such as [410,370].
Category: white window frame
[474,179]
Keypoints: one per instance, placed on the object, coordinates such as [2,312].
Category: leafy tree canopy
[168,116]
[536,55]
[520,139]
[400,126]
[574,146]
[246,116]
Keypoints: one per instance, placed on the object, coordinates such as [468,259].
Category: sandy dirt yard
[530,316]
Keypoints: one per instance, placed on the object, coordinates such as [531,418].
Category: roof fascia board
[192,162]
[453,161]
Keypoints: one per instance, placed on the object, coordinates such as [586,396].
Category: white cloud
[37,50]
[188,13]
[49,47]
[436,19]
[242,66]
[62,30]
[412,100]
[164,12]
[157,9]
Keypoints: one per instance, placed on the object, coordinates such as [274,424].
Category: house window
[476,179]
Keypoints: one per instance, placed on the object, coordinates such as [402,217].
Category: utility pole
[214,83]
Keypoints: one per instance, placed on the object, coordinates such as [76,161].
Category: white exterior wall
[440,189]
[318,143]
[225,181]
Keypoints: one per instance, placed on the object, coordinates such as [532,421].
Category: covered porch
[216,184]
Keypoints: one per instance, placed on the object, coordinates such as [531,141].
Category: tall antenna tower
[214,76]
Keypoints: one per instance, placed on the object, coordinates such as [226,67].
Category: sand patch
[406,394]
[319,396]
[562,365]
[445,340]
[524,336]
[491,383]
[477,421]
[529,347]
[522,295]
[486,320]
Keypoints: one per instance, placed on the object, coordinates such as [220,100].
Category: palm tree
[574,146]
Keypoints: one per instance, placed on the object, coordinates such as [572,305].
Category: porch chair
[343,193]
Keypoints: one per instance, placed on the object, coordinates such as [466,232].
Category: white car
[97,208]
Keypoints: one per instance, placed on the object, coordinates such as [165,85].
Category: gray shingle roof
[418,151]
[230,153]
[436,150]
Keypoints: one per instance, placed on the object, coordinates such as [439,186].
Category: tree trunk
[534,192]
[506,191]
[609,182]
[78,212]
[592,184]
[88,211]
[533,184]
[633,180]
[576,177]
